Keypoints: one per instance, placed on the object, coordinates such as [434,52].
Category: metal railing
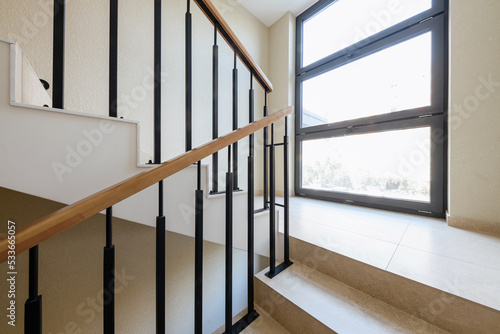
[35,233]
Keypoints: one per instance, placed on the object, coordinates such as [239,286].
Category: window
[371,96]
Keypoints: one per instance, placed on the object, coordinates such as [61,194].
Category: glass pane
[392,164]
[395,79]
[346,22]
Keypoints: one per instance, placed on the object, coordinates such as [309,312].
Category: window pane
[346,22]
[395,79]
[392,164]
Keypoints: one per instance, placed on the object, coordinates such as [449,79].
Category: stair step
[264,324]
[437,307]
[304,300]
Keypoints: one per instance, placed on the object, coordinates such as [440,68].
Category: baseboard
[478,225]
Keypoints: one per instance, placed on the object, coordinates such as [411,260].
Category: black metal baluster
[160,265]
[215,112]
[235,121]
[251,112]
[229,246]
[109,249]
[272,211]
[160,219]
[113,58]
[286,195]
[252,314]
[251,205]
[198,270]
[266,161]
[189,78]
[157,82]
[58,54]
[109,277]
[33,305]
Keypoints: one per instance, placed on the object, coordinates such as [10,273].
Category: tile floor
[464,263]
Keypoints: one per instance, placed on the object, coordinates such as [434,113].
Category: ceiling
[269,11]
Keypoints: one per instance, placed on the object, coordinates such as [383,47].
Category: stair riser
[439,308]
[286,313]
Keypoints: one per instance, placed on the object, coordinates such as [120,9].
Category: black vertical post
[157,82]
[160,266]
[198,270]
[109,277]
[58,54]
[160,219]
[272,211]
[266,162]
[286,194]
[215,111]
[33,305]
[109,249]
[189,78]
[235,121]
[251,194]
[229,247]
[251,107]
[113,58]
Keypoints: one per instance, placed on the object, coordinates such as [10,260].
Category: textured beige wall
[474,178]
[282,74]
[29,22]
[282,62]
[70,276]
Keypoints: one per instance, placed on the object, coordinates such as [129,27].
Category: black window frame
[434,116]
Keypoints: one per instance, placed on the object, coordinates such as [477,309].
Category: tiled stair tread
[343,309]
[264,324]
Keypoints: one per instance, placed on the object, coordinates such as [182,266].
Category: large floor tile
[369,250]
[378,224]
[470,281]
[468,246]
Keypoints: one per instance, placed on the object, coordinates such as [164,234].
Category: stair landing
[426,250]
[446,276]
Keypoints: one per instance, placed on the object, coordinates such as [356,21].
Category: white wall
[28,88]
[474,178]
[29,23]
[86,88]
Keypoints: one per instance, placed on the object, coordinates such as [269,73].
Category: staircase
[64,156]
[321,292]
[304,300]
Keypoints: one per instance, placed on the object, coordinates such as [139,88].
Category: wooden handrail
[208,8]
[59,221]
